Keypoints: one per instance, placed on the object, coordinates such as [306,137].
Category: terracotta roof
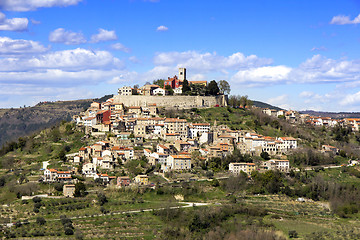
[89,118]
[172,134]
[64,172]
[201,124]
[288,138]
[181,156]
[175,120]
[162,146]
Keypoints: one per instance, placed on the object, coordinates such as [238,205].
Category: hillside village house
[53,175]
[125,91]
[123,181]
[142,179]
[237,168]
[197,129]
[176,125]
[276,164]
[178,162]
[69,190]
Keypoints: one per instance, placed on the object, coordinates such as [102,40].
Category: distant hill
[17,122]
[334,115]
[264,105]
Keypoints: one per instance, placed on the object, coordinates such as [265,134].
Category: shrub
[40,220]
[69,231]
[36,199]
[293,234]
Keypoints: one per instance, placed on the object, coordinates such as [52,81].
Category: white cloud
[321,69]
[35,22]
[134,59]
[342,20]
[321,48]
[198,77]
[351,99]
[280,101]
[307,94]
[125,77]
[209,61]
[262,76]
[120,47]
[67,37]
[13,24]
[69,60]
[103,35]
[162,28]
[10,46]
[31,5]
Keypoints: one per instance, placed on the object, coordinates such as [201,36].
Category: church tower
[182,74]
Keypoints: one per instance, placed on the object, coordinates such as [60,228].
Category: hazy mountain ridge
[336,115]
[264,105]
[16,122]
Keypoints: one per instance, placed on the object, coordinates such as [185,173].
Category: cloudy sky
[293,54]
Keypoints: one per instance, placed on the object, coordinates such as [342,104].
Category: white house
[159,91]
[236,168]
[89,169]
[50,175]
[125,91]
[288,143]
[197,129]
[179,162]
[275,164]
[159,157]
[89,121]
[178,91]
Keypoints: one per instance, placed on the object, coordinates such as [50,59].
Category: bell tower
[182,74]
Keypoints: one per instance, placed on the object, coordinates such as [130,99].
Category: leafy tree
[245,101]
[213,88]
[102,199]
[186,88]
[80,189]
[169,89]
[159,82]
[62,155]
[40,220]
[59,187]
[196,158]
[293,234]
[36,199]
[224,87]
[265,155]
[68,231]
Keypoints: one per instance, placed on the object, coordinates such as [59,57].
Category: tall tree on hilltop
[213,88]
[186,87]
[224,87]
[159,82]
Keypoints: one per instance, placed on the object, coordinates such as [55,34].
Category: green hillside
[264,207]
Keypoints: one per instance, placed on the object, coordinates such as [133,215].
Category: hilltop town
[172,144]
[168,144]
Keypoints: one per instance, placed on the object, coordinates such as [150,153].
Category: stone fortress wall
[172,101]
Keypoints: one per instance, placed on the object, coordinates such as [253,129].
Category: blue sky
[293,54]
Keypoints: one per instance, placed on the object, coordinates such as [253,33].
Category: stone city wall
[172,101]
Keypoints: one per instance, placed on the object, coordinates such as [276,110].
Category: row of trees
[237,100]
[212,89]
